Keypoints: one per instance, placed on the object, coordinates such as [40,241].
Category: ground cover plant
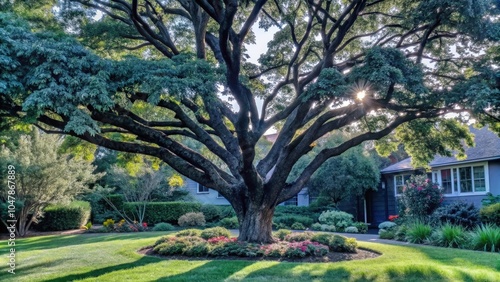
[114,257]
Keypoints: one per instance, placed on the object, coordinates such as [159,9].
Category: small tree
[138,189]
[420,197]
[42,176]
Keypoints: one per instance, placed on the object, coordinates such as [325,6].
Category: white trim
[395,183]
[203,192]
[456,188]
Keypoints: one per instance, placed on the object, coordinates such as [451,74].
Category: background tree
[379,64]
[43,176]
[350,174]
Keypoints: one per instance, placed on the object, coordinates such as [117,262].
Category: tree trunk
[256,224]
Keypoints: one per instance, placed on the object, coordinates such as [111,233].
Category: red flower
[144,224]
[393,217]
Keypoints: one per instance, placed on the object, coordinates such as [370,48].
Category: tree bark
[256,224]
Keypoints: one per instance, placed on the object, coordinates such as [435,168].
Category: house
[206,195]
[466,180]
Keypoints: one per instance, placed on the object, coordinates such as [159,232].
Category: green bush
[400,233]
[298,226]
[387,225]
[316,226]
[336,243]
[491,214]
[486,238]
[361,226]
[192,219]
[177,245]
[387,234]
[229,222]
[490,199]
[297,211]
[215,232]
[65,217]
[101,210]
[351,229]
[286,221]
[299,236]
[339,219]
[282,233]
[418,233]
[226,211]
[169,212]
[163,226]
[457,213]
[188,232]
[211,213]
[450,236]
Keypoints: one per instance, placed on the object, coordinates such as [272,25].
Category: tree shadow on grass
[423,273]
[57,241]
[5,276]
[215,270]
[105,270]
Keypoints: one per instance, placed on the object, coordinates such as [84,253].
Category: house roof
[487,148]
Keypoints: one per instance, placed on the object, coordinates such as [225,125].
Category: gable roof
[487,148]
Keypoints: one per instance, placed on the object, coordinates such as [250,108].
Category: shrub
[296,211]
[339,219]
[336,243]
[188,232]
[65,217]
[215,232]
[298,226]
[418,233]
[299,236]
[361,226]
[169,212]
[457,213]
[287,220]
[316,226]
[491,214]
[387,225]
[328,228]
[486,238]
[282,233]
[192,219]
[226,211]
[351,229]
[108,223]
[420,197]
[211,213]
[177,245]
[387,234]
[229,222]
[450,236]
[400,233]
[163,226]
[305,248]
[490,200]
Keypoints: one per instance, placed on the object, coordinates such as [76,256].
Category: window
[219,195]
[399,182]
[291,202]
[202,189]
[463,179]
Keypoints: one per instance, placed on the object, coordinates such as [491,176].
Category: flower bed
[293,246]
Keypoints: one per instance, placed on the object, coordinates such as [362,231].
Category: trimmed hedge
[65,217]
[169,212]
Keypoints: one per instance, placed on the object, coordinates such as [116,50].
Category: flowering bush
[351,229]
[220,239]
[420,196]
[393,217]
[215,232]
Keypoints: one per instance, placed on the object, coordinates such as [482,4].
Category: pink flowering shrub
[420,196]
[220,239]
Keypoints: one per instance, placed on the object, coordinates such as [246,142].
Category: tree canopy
[156,75]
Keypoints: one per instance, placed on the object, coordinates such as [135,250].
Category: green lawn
[113,257]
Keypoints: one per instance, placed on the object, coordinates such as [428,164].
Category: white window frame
[455,179]
[395,182]
[202,192]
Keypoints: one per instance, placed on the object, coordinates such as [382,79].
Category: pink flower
[420,188]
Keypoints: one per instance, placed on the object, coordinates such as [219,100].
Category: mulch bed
[330,257]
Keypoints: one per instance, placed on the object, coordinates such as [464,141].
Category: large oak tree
[414,61]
